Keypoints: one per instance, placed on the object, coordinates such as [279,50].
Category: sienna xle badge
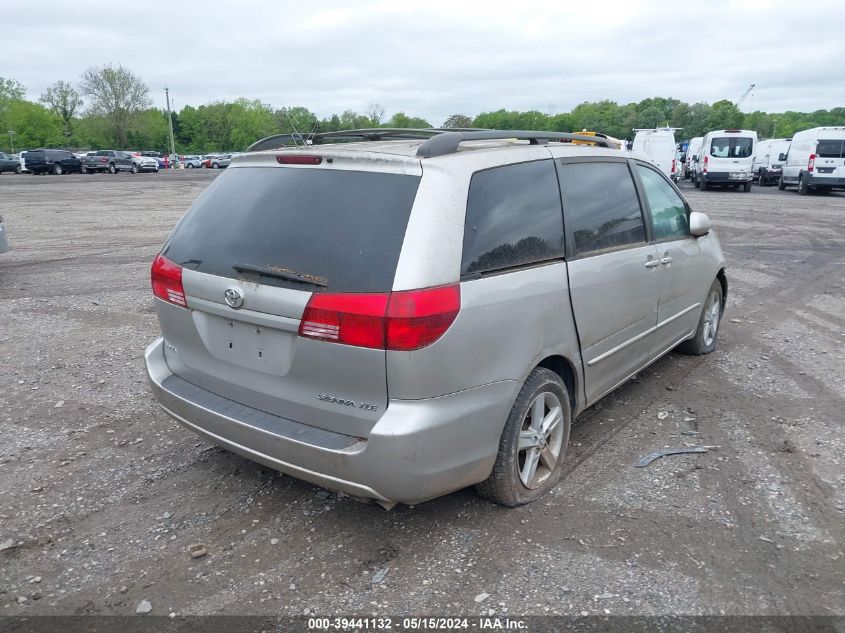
[420,311]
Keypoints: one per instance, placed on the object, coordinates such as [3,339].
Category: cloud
[437,58]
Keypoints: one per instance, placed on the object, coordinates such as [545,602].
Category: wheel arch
[564,368]
[723,280]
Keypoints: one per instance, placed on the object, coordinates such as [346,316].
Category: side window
[513,217]
[601,206]
[668,214]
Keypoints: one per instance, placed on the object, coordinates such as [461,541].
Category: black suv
[52,161]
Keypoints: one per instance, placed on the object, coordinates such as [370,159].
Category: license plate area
[737,175]
[245,344]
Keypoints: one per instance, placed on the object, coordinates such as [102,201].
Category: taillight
[401,321]
[167,281]
[673,165]
[704,169]
[288,159]
[103,159]
[811,163]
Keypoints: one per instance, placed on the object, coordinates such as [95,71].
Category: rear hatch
[730,153]
[830,158]
[253,250]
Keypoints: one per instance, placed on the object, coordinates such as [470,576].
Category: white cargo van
[726,159]
[658,146]
[693,150]
[767,164]
[815,160]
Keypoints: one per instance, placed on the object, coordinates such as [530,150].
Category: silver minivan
[398,318]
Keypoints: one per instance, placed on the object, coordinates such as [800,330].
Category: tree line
[111,107]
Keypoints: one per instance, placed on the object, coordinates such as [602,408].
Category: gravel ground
[101,494]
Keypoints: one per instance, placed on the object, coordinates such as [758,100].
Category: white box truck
[726,159]
[815,160]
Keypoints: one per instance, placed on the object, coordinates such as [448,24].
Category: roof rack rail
[449,141]
[366,134]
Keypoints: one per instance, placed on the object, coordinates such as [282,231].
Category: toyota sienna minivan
[401,317]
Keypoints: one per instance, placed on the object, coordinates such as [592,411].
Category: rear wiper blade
[281,273]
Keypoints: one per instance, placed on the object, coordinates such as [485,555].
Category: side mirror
[781,156]
[699,223]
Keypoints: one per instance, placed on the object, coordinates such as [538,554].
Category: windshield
[344,228]
[731,147]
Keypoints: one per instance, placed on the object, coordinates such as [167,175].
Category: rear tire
[704,185]
[18,170]
[781,184]
[803,189]
[190,166]
[112,168]
[539,423]
[134,168]
[215,166]
[57,169]
[707,333]
[761,179]
[747,187]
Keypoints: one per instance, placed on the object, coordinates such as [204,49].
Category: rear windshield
[343,229]
[833,148]
[731,147]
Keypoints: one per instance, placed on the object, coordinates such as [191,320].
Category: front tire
[781,184]
[707,332]
[18,170]
[704,184]
[747,187]
[112,168]
[215,166]
[134,168]
[57,169]
[533,443]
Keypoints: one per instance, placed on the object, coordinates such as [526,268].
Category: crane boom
[744,95]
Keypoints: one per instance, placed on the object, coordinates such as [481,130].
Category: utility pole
[12,142]
[170,123]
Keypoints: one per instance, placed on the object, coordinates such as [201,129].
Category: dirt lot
[101,493]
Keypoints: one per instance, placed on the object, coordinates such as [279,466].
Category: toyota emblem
[234,297]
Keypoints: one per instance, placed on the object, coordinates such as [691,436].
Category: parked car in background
[693,150]
[192,162]
[52,161]
[108,160]
[726,159]
[767,166]
[815,160]
[143,163]
[428,319]
[8,163]
[658,145]
[205,163]
[221,161]
[4,242]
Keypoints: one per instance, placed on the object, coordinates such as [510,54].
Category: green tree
[34,125]
[116,94]
[401,120]
[11,90]
[65,101]
[457,120]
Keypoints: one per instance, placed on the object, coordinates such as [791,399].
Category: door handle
[652,263]
[666,260]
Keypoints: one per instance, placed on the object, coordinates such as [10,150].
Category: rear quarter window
[345,228]
[513,218]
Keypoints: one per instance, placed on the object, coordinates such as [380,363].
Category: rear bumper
[724,177]
[820,180]
[419,449]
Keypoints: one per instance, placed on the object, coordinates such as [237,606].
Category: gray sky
[432,58]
